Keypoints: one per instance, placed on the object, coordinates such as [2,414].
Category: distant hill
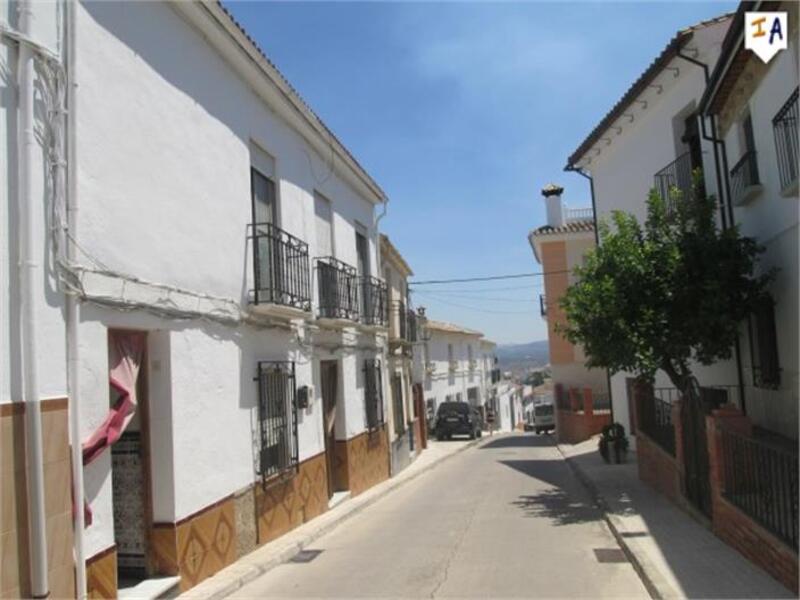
[534,354]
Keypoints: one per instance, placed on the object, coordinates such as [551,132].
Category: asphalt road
[505,519]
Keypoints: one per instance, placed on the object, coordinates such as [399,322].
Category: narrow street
[504,519]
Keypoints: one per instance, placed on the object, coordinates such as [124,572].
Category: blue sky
[462,112]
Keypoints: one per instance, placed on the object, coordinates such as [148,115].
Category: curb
[244,574]
[647,580]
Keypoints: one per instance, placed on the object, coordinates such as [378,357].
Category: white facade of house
[768,212]
[509,410]
[641,142]
[452,363]
[174,108]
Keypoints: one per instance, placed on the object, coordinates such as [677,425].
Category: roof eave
[675,45]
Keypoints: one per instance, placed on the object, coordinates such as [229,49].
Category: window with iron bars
[277,418]
[373,393]
[784,126]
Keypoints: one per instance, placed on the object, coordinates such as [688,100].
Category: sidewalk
[676,556]
[269,556]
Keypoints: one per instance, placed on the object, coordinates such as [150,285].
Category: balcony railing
[784,126]
[676,175]
[744,176]
[578,214]
[281,268]
[374,310]
[338,289]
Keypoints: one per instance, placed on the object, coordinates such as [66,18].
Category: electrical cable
[488,278]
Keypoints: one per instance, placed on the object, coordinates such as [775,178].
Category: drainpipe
[722,176]
[573,169]
[72,316]
[34,463]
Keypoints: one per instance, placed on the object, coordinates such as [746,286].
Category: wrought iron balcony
[338,286]
[281,268]
[676,175]
[784,126]
[374,309]
[744,178]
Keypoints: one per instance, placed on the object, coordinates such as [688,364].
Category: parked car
[458,418]
[543,418]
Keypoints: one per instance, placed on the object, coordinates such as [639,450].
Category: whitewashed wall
[443,382]
[624,172]
[772,219]
[50,360]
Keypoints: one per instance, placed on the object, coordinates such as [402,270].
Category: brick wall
[575,426]
[658,468]
[734,526]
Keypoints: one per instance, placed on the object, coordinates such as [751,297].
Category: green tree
[662,294]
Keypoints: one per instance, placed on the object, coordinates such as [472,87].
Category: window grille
[373,395]
[784,126]
[277,418]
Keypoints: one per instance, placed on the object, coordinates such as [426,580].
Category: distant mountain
[533,353]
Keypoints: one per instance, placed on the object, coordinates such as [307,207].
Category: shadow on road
[529,440]
[559,506]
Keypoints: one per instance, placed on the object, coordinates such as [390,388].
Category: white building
[406,422]
[756,109]
[652,138]
[222,245]
[454,364]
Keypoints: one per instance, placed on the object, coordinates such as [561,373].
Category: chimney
[555,208]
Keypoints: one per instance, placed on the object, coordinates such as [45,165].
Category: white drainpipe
[28,271]
[72,318]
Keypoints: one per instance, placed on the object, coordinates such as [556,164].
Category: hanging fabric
[126,351]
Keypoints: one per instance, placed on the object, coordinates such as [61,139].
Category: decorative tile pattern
[365,459]
[285,505]
[128,486]
[198,546]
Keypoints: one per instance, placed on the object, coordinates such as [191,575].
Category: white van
[544,418]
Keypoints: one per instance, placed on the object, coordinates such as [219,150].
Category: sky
[462,112]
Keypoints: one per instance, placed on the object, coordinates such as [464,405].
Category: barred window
[277,418]
[397,404]
[764,346]
[784,126]
[373,395]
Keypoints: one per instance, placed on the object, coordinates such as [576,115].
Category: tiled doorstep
[149,589]
[675,556]
[277,552]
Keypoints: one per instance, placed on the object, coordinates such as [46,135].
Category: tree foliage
[662,294]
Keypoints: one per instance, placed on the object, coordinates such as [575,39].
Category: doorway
[329,386]
[130,456]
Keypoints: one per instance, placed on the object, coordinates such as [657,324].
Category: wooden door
[329,383]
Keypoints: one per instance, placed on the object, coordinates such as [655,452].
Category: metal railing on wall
[762,480]
[676,175]
[743,175]
[655,417]
[338,289]
[375,309]
[281,267]
[784,126]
